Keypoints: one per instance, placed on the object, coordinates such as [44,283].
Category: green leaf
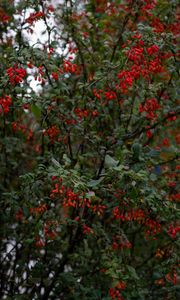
[26,211]
[153,177]
[94,183]
[136,147]
[66,160]
[36,111]
[55,162]
[110,162]
[132,272]
[29,241]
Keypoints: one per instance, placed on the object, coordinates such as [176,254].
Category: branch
[138,131]
[120,37]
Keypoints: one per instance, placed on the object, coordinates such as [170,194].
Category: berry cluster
[5,103]
[16,75]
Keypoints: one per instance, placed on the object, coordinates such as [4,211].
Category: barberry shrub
[89,157]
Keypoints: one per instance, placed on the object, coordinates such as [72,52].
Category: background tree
[89,159]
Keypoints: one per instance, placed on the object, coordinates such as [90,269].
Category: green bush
[89,157]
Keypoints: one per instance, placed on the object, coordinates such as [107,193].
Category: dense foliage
[89,158]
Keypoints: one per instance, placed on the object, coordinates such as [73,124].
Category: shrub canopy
[89,157]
